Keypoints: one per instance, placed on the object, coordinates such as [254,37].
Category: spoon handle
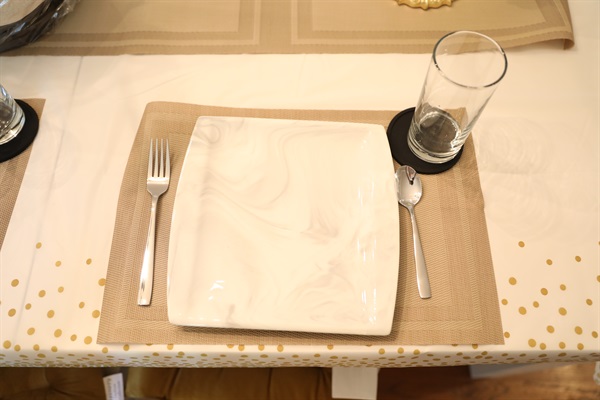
[422,276]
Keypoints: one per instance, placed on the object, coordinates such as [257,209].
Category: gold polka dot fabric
[51,315]
[463,309]
[554,293]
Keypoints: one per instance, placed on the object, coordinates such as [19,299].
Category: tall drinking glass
[12,118]
[464,71]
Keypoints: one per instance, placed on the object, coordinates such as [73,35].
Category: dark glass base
[397,134]
[19,143]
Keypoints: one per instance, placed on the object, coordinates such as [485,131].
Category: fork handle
[147,274]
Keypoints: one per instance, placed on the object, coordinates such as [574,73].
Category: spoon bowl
[409,188]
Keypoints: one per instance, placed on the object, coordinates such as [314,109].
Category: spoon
[409,193]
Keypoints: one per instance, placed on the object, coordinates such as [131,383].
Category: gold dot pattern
[544,300]
[220,358]
[562,311]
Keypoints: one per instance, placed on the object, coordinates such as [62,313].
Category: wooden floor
[560,383]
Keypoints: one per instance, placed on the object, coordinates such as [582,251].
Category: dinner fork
[159,173]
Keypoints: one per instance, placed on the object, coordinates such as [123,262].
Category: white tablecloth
[537,146]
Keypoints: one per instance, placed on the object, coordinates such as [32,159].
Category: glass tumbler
[12,118]
[464,71]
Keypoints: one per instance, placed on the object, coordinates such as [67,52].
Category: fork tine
[155,158]
[161,172]
[150,161]
[168,170]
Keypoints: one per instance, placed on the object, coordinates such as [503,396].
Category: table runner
[463,310]
[111,27]
[11,176]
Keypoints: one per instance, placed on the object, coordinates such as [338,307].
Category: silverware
[409,191]
[159,173]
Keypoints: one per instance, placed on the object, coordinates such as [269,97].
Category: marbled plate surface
[285,225]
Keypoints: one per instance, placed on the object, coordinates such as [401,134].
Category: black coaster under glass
[397,134]
[19,143]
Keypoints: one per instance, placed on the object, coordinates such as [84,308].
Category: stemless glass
[463,73]
[12,118]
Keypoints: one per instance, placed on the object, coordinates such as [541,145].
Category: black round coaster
[397,134]
[19,143]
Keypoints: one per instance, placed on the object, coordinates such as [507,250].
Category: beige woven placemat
[110,27]
[11,176]
[463,310]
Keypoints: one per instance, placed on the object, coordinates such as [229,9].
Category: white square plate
[285,225]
